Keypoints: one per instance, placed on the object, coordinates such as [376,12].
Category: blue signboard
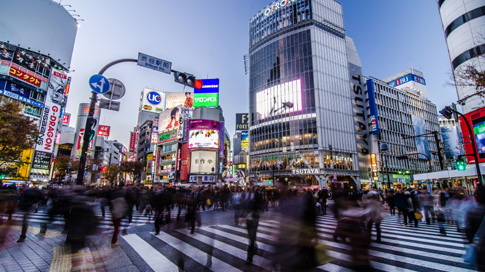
[99,84]
[405,79]
[14,91]
[209,86]
[154,98]
[374,123]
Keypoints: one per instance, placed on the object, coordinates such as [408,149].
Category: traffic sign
[116,89]
[99,84]
[156,64]
[109,104]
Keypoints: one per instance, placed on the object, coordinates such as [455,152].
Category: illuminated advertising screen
[203,162]
[209,86]
[278,100]
[204,134]
[206,99]
[167,137]
[479,131]
[245,141]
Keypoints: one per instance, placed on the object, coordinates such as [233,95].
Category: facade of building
[402,115]
[463,24]
[301,116]
[33,72]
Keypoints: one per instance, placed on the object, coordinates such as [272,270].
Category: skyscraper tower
[301,117]
[463,23]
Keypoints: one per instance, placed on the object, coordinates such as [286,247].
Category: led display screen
[479,131]
[203,162]
[278,100]
[204,134]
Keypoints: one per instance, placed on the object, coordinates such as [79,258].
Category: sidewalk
[49,253]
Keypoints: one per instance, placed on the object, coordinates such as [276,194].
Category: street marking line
[195,253]
[156,260]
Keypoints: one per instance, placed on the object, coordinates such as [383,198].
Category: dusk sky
[209,39]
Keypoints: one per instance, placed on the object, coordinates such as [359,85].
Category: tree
[471,76]
[17,133]
[133,167]
[112,171]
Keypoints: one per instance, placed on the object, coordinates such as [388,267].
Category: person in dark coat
[27,200]
[401,205]
[391,202]
[118,209]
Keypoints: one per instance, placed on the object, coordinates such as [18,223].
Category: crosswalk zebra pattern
[104,223]
[402,248]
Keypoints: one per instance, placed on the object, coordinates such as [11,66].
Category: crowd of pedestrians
[295,211]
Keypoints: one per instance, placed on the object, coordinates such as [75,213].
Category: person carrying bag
[476,248]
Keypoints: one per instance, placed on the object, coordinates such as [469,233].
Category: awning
[470,172]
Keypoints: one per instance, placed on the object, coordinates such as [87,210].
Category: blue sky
[209,39]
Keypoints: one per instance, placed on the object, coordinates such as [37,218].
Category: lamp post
[384,148]
[447,112]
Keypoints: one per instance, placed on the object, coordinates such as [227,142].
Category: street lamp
[447,112]
[384,149]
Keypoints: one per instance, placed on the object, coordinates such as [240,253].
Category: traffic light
[103,169]
[407,171]
[186,79]
[399,172]
[460,164]
[270,182]
[2,176]
[447,112]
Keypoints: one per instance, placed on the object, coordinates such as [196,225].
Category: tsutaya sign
[314,171]
[277,5]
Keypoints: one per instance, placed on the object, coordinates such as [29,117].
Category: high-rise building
[35,57]
[463,23]
[300,106]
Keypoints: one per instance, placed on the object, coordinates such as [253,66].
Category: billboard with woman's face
[169,119]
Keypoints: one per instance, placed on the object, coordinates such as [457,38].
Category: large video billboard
[203,162]
[278,100]
[476,119]
[204,134]
[422,144]
[169,119]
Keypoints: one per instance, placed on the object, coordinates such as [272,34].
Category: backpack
[119,207]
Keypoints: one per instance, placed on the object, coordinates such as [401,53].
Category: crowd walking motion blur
[293,212]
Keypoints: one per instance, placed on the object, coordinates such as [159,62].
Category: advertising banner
[278,100]
[42,160]
[245,141]
[50,117]
[25,75]
[374,124]
[242,121]
[66,119]
[208,86]
[184,161]
[149,164]
[103,130]
[206,100]
[203,162]
[451,140]
[18,92]
[132,141]
[221,141]
[204,134]
[151,100]
[186,99]
[407,78]
[167,137]
[422,144]
[169,119]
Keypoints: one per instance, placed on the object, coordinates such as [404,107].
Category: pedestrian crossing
[104,223]
[224,248]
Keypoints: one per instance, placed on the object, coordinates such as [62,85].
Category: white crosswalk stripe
[105,223]
[402,249]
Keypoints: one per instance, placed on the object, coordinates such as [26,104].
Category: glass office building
[301,117]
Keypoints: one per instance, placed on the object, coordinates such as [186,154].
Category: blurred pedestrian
[27,200]
[118,209]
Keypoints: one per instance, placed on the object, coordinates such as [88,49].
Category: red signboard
[132,141]
[185,160]
[476,119]
[103,130]
[25,75]
[66,119]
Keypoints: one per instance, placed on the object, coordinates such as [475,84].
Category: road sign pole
[87,134]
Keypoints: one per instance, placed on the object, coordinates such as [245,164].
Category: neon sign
[276,6]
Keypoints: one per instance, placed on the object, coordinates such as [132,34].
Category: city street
[402,248]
